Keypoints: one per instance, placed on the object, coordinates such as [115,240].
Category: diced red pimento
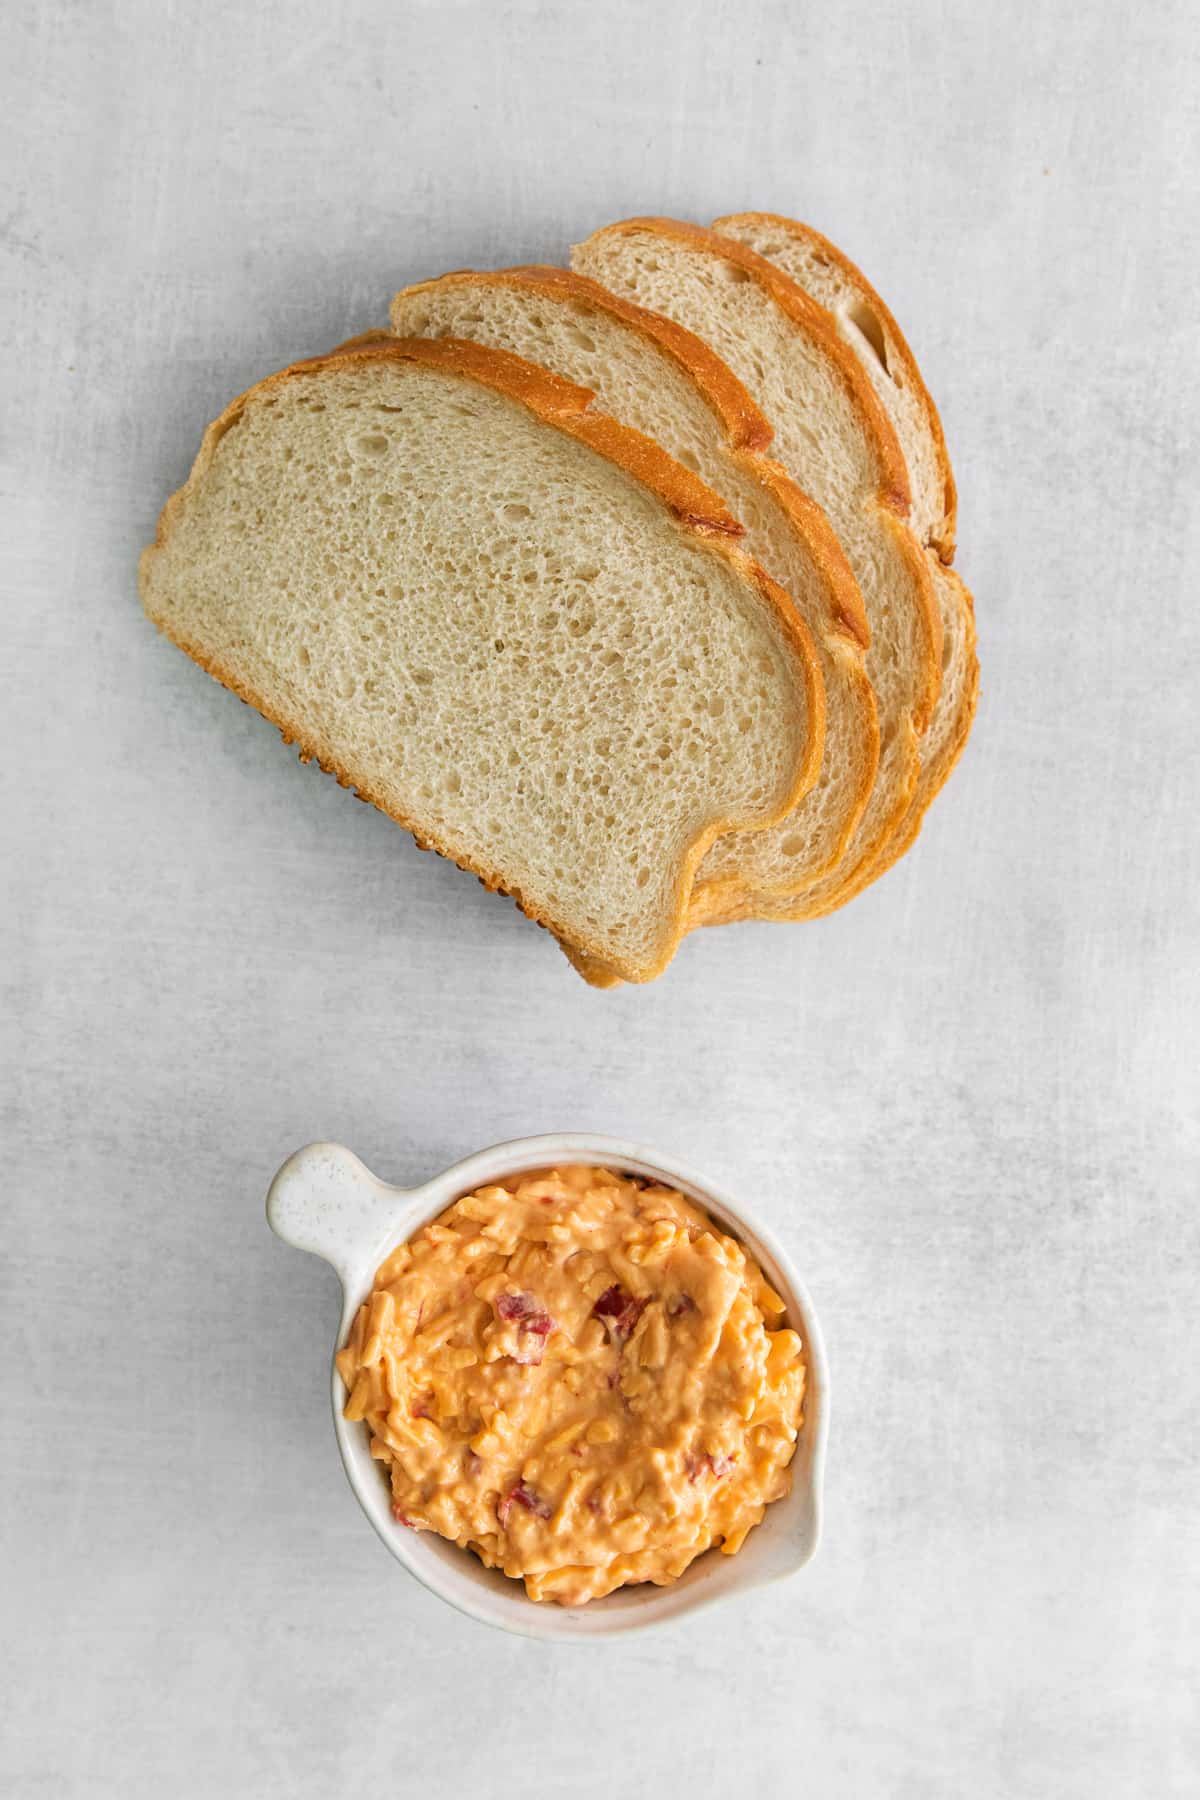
[716,1466]
[680,1304]
[619,1312]
[473,1462]
[402,1518]
[421,1406]
[526,1497]
[524,1308]
[533,1323]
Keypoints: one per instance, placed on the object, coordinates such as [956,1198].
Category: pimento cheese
[577,1376]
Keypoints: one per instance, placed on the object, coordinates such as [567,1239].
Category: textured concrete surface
[969,1103]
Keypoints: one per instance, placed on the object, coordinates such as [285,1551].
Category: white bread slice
[834,438]
[868,328]
[649,373]
[465,595]
[862,319]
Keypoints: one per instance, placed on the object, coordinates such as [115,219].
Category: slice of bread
[464,595]
[868,328]
[649,373]
[834,439]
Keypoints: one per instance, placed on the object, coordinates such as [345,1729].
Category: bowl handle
[326,1201]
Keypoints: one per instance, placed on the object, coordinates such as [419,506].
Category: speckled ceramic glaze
[326,1201]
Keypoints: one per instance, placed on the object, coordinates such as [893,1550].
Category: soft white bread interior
[465,595]
[834,439]
[649,373]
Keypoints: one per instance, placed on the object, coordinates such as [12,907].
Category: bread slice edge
[896,345]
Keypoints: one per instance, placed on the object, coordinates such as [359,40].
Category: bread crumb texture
[504,639]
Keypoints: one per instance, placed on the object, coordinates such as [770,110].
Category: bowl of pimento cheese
[576,1390]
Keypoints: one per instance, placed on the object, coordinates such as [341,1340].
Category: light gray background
[968,1103]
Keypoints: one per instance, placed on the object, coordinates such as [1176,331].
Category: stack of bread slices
[627,587]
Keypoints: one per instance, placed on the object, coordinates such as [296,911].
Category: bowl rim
[386,1215]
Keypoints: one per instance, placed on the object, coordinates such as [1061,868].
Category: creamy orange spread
[577,1376]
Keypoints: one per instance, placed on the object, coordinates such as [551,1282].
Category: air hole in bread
[372,445]
[865,322]
[733,273]
[793,845]
[514,510]
[689,459]
[582,340]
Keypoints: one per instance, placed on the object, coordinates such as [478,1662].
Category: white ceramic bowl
[326,1201]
